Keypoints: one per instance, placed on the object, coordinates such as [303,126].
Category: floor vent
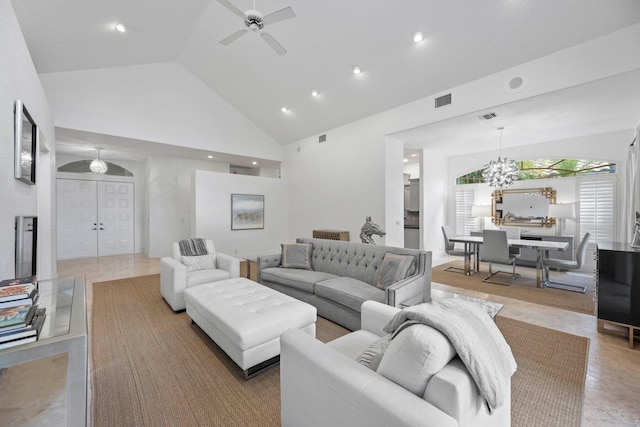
[443,100]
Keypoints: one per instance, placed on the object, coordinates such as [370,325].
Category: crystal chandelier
[502,172]
[98,165]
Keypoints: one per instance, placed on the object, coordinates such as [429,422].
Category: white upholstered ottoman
[245,319]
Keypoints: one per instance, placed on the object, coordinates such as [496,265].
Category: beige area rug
[523,288]
[153,367]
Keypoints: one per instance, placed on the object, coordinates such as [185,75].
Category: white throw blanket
[476,338]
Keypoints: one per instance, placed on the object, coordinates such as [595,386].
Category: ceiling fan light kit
[256,21]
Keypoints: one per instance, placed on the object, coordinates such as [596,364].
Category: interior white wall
[336,184]
[412,169]
[170,200]
[433,189]
[154,102]
[212,212]
[19,80]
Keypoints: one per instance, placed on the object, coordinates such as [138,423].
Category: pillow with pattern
[200,262]
[394,268]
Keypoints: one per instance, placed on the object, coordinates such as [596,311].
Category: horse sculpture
[369,229]
[636,232]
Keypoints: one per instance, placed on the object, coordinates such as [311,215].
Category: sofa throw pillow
[415,355]
[372,355]
[198,262]
[296,255]
[393,268]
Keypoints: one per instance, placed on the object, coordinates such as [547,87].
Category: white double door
[95,218]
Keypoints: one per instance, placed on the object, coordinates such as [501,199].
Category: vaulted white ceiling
[464,40]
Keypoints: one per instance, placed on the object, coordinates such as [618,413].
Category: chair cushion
[393,269]
[416,354]
[348,292]
[296,255]
[200,277]
[198,262]
[295,278]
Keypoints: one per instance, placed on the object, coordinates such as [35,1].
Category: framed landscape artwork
[247,211]
[25,145]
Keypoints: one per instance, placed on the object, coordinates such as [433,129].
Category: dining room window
[597,208]
[465,223]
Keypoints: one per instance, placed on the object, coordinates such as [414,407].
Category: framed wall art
[25,145]
[247,211]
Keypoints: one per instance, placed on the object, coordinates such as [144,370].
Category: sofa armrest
[268,261]
[320,387]
[374,316]
[453,390]
[173,282]
[419,283]
[228,263]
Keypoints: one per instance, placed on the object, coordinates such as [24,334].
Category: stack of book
[20,318]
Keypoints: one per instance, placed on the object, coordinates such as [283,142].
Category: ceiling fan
[256,21]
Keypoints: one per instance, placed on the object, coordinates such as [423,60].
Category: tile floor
[613,376]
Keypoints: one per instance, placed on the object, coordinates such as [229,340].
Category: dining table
[472,248]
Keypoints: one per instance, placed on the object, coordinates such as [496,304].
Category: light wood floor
[613,376]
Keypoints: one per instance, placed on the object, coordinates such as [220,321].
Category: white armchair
[323,385]
[175,276]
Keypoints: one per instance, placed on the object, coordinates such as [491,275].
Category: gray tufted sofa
[343,276]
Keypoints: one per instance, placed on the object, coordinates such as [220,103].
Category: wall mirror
[523,207]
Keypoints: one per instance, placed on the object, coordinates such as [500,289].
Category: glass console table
[64,331]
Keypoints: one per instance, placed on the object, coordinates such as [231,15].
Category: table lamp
[561,211]
[482,212]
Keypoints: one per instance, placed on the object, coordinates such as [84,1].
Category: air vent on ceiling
[322,138]
[443,100]
[488,116]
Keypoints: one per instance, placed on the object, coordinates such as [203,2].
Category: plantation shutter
[465,223]
[597,209]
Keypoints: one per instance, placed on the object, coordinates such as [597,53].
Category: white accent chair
[564,264]
[323,384]
[495,250]
[175,276]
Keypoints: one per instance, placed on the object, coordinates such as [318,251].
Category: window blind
[465,223]
[597,209]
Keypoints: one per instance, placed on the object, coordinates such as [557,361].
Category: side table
[64,331]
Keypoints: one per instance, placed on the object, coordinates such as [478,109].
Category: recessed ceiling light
[284,109]
[120,28]
[413,155]
[406,160]
[418,37]
[254,163]
[210,157]
[315,93]
[357,70]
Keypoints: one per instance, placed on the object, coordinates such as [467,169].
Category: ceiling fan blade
[232,8]
[232,37]
[279,15]
[273,43]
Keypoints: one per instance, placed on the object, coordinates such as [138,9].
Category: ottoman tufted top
[248,313]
